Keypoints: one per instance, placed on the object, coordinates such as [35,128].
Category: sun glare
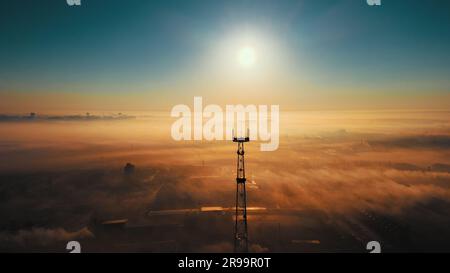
[247,57]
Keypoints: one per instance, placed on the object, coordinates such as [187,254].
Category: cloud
[41,237]
[414,142]
[86,117]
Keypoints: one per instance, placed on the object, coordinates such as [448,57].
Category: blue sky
[116,46]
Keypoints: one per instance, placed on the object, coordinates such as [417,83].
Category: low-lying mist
[57,175]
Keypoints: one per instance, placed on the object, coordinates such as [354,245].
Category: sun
[247,56]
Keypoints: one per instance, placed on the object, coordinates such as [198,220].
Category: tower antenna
[240,228]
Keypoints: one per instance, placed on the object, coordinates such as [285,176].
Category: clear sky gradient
[151,55]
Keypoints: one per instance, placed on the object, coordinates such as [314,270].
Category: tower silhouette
[240,228]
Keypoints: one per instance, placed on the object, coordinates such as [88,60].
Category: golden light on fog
[247,56]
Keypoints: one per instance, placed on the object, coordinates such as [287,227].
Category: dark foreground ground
[165,212]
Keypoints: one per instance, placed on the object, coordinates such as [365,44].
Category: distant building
[114,224]
[128,169]
[111,227]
